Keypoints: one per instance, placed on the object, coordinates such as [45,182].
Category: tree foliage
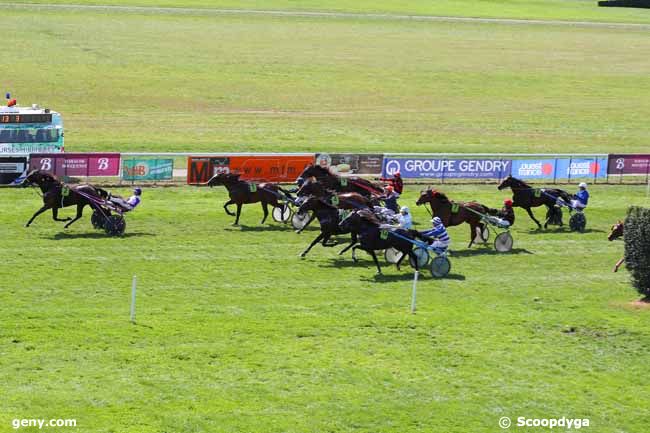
[637,248]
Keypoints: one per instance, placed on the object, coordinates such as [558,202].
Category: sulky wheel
[440,267]
[115,225]
[281,214]
[503,242]
[422,256]
[392,255]
[300,220]
[97,219]
[578,222]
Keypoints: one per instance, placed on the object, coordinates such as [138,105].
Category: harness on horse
[252,187]
[455,207]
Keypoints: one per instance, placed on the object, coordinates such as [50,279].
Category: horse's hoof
[26,225]
[615,269]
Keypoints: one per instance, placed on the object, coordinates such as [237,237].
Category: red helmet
[389,188]
[507,202]
[397,174]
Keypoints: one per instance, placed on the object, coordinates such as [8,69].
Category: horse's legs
[411,255]
[38,212]
[314,242]
[327,238]
[354,250]
[55,215]
[225,206]
[80,210]
[239,205]
[374,257]
[472,234]
[530,214]
[353,242]
[266,211]
[618,264]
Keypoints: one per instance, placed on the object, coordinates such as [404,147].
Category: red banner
[269,168]
[76,164]
[629,164]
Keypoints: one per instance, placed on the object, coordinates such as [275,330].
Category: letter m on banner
[198,170]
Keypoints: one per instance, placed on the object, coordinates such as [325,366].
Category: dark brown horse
[57,195]
[454,213]
[527,197]
[242,192]
[617,232]
[338,183]
[373,237]
[329,217]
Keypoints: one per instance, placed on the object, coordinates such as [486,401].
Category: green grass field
[236,334]
[160,82]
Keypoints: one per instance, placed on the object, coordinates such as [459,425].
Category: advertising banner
[11,168]
[267,168]
[575,168]
[77,164]
[147,169]
[447,168]
[633,164]
[350,163]
[30,148]
[533,168]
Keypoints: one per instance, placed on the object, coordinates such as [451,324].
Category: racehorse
[338,183]
[242,192]
[57,195]
[329,217]
[454,213]
[617,232]
[340,200]
[373,237]
[526,197]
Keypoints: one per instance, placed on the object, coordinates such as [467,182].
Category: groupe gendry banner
[560,168]
[11,168]
[447,168]
[147,169]
[351,163]
[76,164]
[633,164]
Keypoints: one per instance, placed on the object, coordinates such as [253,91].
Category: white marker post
[133,300]
[415,291]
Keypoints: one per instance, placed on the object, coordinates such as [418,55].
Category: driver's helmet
[300,181]
[397,174]
[389,189]
[137,191]
[404,209]
[436,221]
[582,185]
[507,202]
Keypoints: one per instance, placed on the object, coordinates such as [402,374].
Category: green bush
[637,248]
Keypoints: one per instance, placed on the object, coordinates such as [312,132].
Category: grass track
[147,82]
[235,333]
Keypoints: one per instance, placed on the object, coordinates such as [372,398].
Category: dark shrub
[637,248]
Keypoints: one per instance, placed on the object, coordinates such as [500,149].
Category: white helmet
[404,209]
[582,185]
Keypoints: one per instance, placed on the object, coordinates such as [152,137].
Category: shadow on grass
[487,252]
[260,228]
[563,229]
[95,235]
[408,276]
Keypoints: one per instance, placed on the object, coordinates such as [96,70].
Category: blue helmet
[137,191]
[436,221]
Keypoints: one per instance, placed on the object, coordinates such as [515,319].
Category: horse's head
[425,196]
[505,183]
[311,187]
[217,179]
[616,232]
[37,177]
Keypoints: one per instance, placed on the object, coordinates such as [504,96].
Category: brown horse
[454,213]
[57,195]
[338,183]
[242,192]
[617,232]
[526,197]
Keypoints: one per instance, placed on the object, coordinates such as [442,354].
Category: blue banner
[581,168]
[447,168]
[534,168]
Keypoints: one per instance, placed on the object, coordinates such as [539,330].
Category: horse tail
[490,211]
[102,193]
